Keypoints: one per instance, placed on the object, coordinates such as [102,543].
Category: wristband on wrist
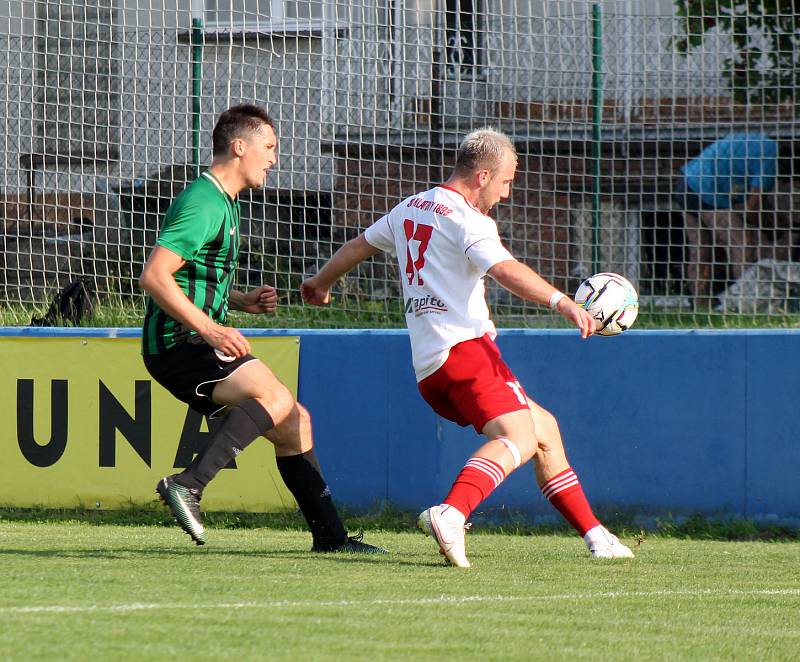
[555,297]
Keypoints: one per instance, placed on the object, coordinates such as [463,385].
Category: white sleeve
[482,245]
[380,235]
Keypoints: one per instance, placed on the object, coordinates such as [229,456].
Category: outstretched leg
[257,400]
[511,443]
[560,485]
[298,465]
[260,405]
[243,424]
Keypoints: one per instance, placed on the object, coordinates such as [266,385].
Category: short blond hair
[483,149]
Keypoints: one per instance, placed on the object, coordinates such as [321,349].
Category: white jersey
[444,247]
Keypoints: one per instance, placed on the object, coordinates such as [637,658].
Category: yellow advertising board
[86,425]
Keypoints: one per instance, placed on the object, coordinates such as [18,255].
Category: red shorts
[474,385]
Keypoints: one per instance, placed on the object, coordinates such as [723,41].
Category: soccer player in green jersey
[188,349]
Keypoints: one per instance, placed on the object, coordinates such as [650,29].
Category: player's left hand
[577,315]
[313,293]
[263,299]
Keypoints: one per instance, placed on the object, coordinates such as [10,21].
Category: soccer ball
[611,300]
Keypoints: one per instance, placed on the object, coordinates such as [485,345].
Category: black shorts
[191,370]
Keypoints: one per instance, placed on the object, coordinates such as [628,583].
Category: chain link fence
[107,109]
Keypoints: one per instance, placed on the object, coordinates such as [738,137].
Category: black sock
[242,425]
[303,477]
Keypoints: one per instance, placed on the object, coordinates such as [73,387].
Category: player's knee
[519,451]
[279,404]
[293,435]
[544,421]
[303,417]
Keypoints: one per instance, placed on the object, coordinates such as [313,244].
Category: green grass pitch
[78,591]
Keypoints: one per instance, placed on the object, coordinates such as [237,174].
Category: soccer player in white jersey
[446,244]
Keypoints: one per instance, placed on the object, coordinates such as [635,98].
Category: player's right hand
[227,340]
[577,315]
[313,293]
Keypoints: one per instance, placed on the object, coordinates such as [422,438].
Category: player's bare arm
[262,299]
[158,281]
[316,290]
[523,281]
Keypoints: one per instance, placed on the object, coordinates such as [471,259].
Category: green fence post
[197,80]
[597,119]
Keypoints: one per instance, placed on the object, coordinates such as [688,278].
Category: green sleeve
[186,227]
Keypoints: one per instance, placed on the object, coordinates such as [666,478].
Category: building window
[259,13]
[465,27]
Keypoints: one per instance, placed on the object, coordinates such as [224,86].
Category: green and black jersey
[202,227]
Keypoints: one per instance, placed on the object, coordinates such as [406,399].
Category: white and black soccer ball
[611,300]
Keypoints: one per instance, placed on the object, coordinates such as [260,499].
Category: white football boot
[603,544]
[446,526]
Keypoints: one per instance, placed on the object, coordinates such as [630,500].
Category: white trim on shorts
[216,412]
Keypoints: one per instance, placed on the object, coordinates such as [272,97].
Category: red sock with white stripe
[564,491]
[476,481]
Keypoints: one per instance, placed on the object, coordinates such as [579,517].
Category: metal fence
[107,107]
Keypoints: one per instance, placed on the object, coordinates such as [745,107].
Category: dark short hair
[237,120]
